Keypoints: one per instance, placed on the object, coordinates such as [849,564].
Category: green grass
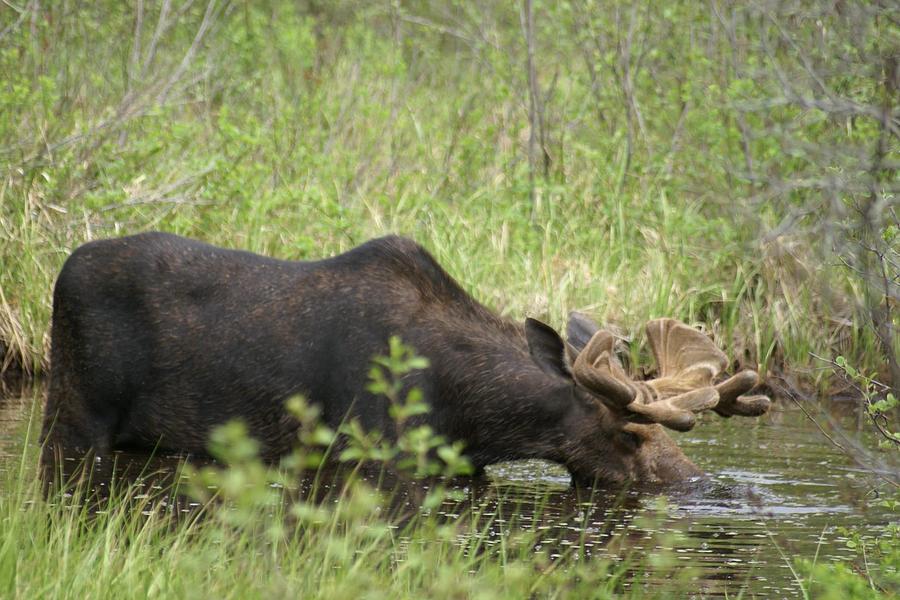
[119,555]
[302,131]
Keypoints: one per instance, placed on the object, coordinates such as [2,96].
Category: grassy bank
[300,130]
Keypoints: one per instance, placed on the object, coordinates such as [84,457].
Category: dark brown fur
[156,339]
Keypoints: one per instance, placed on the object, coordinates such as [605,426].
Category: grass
[300,130]
[115,555]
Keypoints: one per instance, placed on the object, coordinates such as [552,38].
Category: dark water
[777,490]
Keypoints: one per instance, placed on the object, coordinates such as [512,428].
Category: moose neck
[508,408]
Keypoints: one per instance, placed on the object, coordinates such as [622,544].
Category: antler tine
[598,369]
[731,399]
[678,411]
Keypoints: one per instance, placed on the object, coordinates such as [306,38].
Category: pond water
[777,489]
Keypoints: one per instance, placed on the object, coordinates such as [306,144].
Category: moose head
[617,430]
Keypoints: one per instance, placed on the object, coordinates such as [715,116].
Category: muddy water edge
[777,490]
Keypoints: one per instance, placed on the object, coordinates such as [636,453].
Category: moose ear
[546,348]
[579,332]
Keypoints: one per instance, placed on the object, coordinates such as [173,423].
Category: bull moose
[157,338]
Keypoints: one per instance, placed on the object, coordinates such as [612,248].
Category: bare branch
[205,24]
[527,19]
[162,25]
[23,12]
[850,448]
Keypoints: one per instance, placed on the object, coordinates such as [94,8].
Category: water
[777,489]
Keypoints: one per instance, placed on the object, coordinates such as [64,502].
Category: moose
[156,339]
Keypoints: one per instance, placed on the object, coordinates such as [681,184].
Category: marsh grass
[300,132]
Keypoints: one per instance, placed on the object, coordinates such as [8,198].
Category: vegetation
[302,129]
[731,164]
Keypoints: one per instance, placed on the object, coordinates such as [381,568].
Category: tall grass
[127,549]
[302,130]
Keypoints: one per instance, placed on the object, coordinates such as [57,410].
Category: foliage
[880,404]
[299,129]
[879,556]
[836,581]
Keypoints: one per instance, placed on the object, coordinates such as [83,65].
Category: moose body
[156,339]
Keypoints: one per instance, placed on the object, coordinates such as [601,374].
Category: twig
[669,162]
[205,24]
[865,394]
[790,394]
[161,196]
[162,24]
[19,9]
[632,68]
[23,12]
[136,45]
[451,31]
[589,63]
[739,116]
[879,471]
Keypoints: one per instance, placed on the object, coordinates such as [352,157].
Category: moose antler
[597,368]
[688,360]
[688,363]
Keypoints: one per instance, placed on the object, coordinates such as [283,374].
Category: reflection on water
[777,489]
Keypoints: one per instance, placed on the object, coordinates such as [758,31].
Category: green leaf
[351,454]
